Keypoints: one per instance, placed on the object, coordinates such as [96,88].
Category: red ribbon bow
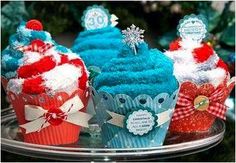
[187,107]
[36,46]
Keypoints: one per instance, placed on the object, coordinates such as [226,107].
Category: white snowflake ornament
[133,36]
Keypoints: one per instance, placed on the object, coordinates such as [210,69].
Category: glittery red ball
[174,45]
[203,53]
[55,116]
[34,25]
[37,42]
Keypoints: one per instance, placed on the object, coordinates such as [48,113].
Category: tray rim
[198,144]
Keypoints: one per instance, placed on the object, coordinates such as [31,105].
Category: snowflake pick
[133,36]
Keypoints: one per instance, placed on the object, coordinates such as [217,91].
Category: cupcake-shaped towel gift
[136,95]
[101,40]
[204,78]
[49,92]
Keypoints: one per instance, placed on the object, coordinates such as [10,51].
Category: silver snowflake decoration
[133,36]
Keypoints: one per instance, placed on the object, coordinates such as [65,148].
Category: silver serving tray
[90,148]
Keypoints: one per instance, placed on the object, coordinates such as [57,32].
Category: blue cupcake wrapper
[118,137]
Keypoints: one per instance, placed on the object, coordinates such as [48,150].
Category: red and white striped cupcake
[49,94]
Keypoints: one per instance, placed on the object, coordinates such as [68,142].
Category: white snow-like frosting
[30,57]
[53,52]
[187,69]
[72,56]
[189,44]
[59,78]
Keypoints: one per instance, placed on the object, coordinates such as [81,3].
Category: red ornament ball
[55,116]
[34,25]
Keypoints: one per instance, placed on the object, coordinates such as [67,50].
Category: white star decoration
[133,36]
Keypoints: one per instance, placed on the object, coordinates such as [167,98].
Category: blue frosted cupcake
[136,97]
[149,72]
[100,42]
[11,58]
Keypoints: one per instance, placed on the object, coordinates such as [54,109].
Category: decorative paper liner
[114,136]
[64,133]
[200,121]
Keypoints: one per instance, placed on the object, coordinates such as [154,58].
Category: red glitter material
[199,120]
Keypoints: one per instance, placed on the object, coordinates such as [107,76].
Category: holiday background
[158,19]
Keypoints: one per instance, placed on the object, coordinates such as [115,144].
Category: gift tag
[96,17]
[192,28]
[140,122]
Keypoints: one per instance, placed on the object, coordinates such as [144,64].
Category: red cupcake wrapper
[64,133]
[199,121]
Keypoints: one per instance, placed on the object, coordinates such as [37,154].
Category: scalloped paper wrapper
[200,121]
[64,133]
[109,109]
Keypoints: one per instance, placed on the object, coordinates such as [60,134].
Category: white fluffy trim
[189,44]
[61,77]
[187,69]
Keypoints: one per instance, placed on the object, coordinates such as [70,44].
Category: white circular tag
[95,18]
[140,122]
[192,28]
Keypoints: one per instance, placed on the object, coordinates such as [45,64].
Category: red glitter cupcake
[49,94]
[203,76]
